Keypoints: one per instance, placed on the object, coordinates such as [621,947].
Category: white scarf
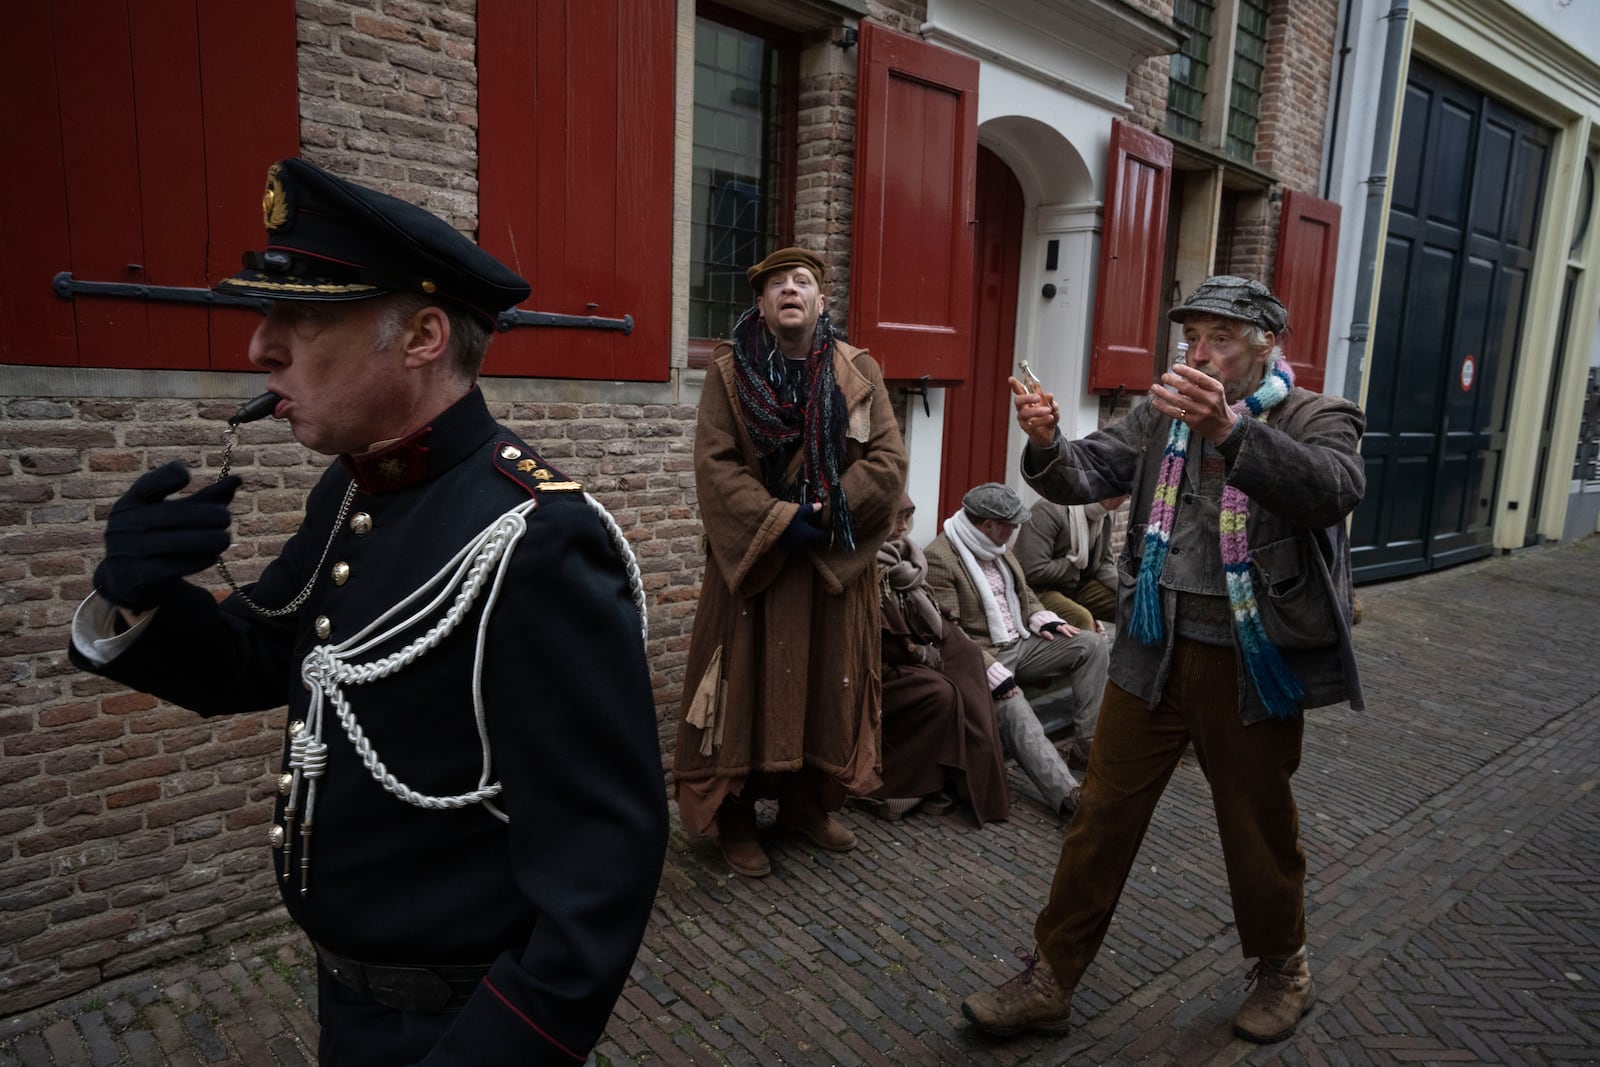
[1083,529]
[971,544]
[1077,523]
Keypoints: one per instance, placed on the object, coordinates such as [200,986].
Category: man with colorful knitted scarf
[1234,617]
[799,468]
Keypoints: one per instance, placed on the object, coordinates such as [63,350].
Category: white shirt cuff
[94,632]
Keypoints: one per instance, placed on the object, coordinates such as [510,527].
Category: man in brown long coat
[799,466]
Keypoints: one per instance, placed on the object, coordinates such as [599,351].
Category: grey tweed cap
[1233,297]
[991,500]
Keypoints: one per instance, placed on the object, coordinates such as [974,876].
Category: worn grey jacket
[1052,557]
[1303,473]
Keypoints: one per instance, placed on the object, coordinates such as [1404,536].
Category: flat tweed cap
[1233,297]
[331,239]
[785,258]
[991,500]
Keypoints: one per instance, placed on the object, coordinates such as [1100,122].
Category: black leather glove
[153,542]
[801,531]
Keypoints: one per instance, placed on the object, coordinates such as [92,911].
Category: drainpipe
[1377,188]
[1346,17]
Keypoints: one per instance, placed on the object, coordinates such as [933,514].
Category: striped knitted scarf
[1280,690]
[815,423]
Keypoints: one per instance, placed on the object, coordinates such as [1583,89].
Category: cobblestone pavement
[1452,831]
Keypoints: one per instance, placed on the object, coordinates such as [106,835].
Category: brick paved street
[1453,834]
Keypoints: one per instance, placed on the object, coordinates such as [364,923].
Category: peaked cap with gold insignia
[331,239]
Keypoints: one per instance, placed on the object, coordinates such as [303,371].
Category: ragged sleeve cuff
[999,674]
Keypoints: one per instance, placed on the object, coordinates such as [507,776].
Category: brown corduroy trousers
[1136,750]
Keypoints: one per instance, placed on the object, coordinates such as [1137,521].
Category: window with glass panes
[739,211]
[1249,61]
[1186,89]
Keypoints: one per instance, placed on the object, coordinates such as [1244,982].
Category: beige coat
[952,586]
[783,666]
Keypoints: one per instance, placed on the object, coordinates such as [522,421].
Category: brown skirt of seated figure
[939,729]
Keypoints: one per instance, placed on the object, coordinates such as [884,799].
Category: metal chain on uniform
[327,669]
[229,437]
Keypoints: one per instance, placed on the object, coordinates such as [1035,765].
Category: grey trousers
[1025,741]
[1083,659]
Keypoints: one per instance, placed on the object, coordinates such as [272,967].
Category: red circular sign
[1468,369]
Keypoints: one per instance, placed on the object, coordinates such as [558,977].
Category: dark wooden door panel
[1468,181]
[977,414]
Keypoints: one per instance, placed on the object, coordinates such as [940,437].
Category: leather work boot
[815,825]
[736,834]
[1070,803]
[1030,1001]
[1282,994]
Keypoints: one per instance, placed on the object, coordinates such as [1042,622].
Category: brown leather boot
[806,818]
[736,834]
[1283,993]
[1031,1001]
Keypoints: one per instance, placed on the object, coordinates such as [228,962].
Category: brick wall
[825,153]
[1147,84]
[1295,91]
[132,830]
[389,97]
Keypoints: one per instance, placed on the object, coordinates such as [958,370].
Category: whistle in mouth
[259,408]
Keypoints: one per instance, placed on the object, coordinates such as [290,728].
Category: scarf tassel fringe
[1274,679]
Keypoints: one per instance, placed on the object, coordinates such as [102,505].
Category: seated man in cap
[977,580]
[1065,551]
[1235,475]
[799,468]
[473,846]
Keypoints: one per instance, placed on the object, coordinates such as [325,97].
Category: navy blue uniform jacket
[557,900]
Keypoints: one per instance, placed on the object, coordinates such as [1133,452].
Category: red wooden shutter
[147,132]
[1308,255]
[911,246]
[35,327]
[575,173]
[1132,239]
[252,119]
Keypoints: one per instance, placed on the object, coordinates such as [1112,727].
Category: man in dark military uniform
[471,819]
